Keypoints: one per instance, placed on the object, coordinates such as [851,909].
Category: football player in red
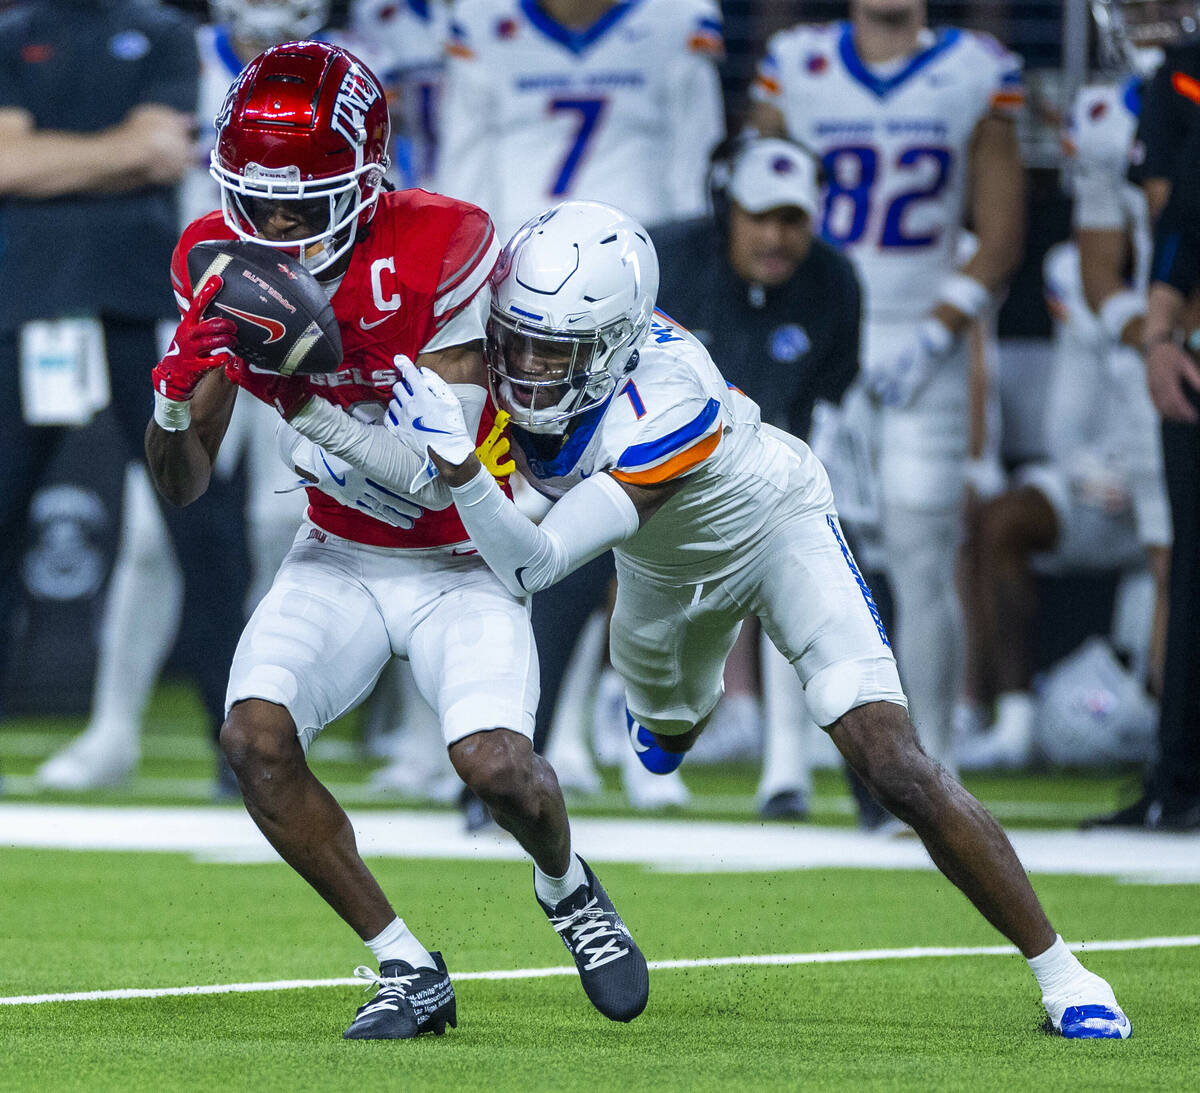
[381,566]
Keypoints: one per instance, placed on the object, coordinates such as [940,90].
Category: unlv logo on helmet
[305,121]
[354,99]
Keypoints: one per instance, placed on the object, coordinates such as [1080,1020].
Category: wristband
[1119,310]
[936,337]
[964,294]
[171,415]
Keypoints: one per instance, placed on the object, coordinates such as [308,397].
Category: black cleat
[788,804]
[410,1001]
[611,966]
[1134,815]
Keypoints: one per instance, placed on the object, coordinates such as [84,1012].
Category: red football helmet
[305,121]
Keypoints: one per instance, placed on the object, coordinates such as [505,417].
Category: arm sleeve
[695,116]
[371,449]
[591,518]
[466,155]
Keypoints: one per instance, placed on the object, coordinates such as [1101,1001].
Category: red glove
[285,393]
[195,339]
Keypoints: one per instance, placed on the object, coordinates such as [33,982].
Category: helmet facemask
[546,378]
[271,21]
[244,195]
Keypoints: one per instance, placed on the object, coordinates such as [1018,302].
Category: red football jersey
[423,259]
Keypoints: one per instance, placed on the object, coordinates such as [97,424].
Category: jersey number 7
[590,112]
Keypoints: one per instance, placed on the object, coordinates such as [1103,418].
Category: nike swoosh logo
[370,326]
[340,481]
[464,553]
[275,329]
[418,424]
[521,569]
[173,350]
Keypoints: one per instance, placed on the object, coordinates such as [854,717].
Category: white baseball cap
[773,174]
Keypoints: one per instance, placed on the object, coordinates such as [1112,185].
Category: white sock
[1055,968]
[396,942]
[553,890]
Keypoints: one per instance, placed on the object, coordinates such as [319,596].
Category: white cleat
[646,791]
[1087,1010]
[91,761]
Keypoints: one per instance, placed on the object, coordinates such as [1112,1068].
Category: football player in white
[1099,501]
[909,124]
[550,99]
[621,415]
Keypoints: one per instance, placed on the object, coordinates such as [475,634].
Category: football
[285,322]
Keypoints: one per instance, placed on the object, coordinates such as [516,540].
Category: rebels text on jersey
[423,260]
[894,147]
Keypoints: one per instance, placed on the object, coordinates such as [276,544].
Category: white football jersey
[674,416]
[408,40]
[894,144]
[625,111]
[1100,145]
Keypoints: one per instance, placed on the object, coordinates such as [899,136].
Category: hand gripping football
[285,322]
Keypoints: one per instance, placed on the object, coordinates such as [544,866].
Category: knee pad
[842,686]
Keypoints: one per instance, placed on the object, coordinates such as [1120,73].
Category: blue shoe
[1087,1010]
[652,757]
[1095,1023]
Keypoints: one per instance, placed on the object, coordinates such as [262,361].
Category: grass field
[77,922]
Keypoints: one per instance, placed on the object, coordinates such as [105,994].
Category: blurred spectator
[1169,131]
[913,126]
[96,103]
[553,99]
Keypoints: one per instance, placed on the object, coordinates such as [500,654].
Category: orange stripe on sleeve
[768,84]
[457,49]
[1187,86]
[673,467]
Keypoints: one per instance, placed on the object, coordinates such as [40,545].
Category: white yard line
[768,959]
[677,844]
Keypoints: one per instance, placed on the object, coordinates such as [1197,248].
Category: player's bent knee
[497,765]
[258,734]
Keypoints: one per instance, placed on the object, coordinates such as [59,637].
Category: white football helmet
[1134,32]
[268,22]
[572,297]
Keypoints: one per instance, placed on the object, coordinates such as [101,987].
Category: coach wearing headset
[779,310]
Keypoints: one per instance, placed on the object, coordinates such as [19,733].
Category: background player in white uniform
[623,417]
[908,123]
[1099,502]
[550,99]
[407,38]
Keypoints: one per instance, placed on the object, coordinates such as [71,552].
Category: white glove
[425,413]
[346,484]
[898,372]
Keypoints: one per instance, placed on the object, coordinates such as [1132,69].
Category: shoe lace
[392,989]
[592,931]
